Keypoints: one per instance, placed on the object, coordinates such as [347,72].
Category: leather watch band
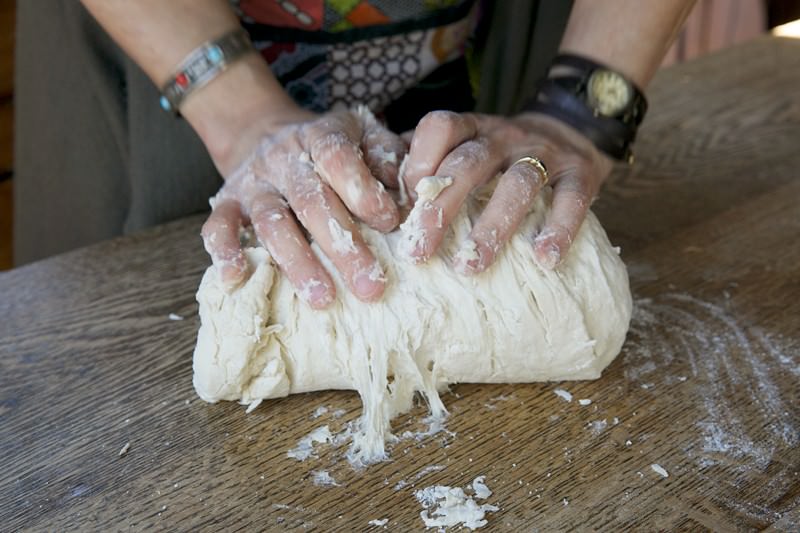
[608,135]
[571,95]
[586,67]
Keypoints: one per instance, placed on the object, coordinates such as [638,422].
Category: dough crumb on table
[451,506]
[323,478]
[305,447]
[515,323]
[564,395]
[658,469]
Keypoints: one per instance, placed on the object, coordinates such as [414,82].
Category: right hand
[309,174]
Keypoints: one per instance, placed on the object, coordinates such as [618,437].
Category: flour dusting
[341,239]
[305,447]
[729,362]
[322,478]
[319,411]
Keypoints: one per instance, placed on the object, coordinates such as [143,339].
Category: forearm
[629,36]
[159,34]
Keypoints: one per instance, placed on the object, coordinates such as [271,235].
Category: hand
[310,174]
[472,149]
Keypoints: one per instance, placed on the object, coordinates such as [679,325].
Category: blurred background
[713,25]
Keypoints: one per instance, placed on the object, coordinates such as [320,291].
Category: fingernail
[316,293]
[387,218]
[321,297]
[547,255]
[369,284]
[232,276]
[468,259]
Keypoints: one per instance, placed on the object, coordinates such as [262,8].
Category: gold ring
[536,163]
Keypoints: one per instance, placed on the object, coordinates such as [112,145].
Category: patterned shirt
[332,54]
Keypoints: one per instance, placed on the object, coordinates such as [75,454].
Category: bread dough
[516,322]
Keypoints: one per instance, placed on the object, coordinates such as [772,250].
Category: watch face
[608,92]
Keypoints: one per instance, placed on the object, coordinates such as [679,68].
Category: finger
[572,195]
[436,135]
[469,165]
[221,240]
[321,212]
[278,232]
[340,163]
[383,150]
[506,209]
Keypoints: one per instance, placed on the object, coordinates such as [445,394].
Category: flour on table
[705,344]
[319,411]
[305,448]
[323,478]
[479,487]
[124,449]
[597,426]
[516,322]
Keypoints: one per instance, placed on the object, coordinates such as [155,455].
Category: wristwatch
[596,100]
[607,92]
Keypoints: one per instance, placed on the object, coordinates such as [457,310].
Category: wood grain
[707,386]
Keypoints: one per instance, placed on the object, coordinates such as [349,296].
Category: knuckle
[272,149]
[305,187]
[272,212]
[221,219]
[440,120]
[511,133]
[208,229]
[330,143]
[470,154]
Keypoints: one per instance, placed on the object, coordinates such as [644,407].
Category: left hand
[473,149]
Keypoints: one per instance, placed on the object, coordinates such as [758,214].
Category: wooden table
[707,386]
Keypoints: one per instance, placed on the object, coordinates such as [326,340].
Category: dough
[516,322]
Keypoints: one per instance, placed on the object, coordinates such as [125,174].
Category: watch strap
[633,115]
[563,96]
[607,134]
[586,67]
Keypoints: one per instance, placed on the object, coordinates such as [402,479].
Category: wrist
[237,108]
[623,35]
